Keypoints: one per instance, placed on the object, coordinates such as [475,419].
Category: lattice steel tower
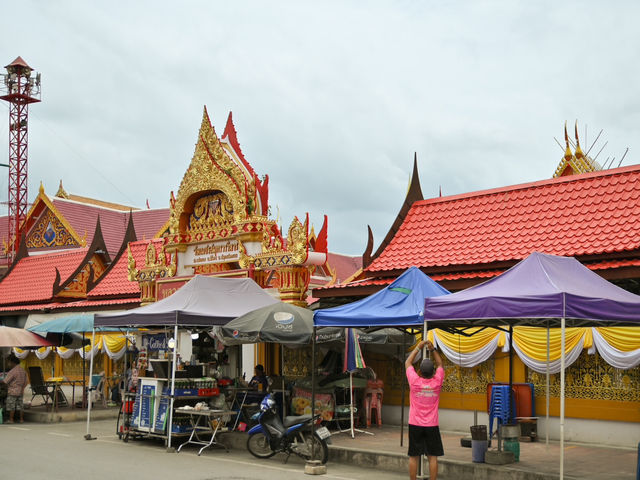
[19,89]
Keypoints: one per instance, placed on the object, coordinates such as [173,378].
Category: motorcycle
[272,435]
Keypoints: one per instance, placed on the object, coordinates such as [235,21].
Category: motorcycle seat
[294,419]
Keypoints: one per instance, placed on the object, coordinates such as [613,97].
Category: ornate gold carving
[211,268]
[77,288]
[590,377]
[294,283]
[131,262]
[50,232]
[156,267]
[298,240]
[274,256]
[297,362]
[61,193]
[210,213]
[210,169]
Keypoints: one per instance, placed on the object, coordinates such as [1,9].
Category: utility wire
[84,160]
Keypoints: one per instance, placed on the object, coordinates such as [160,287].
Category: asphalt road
[59,451]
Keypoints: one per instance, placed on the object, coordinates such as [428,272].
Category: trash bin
[479,443]
[478,432]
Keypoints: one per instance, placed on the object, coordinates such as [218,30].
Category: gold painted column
[294,283]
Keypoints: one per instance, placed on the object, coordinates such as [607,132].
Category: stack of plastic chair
[373,395]
[499,408]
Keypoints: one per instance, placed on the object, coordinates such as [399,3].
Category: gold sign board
[223,251]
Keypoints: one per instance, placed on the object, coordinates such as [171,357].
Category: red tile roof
[116,281]
[581,215]
[83,217]
[32,278]
[71,306]
[344,265]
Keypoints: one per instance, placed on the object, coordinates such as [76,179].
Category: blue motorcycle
[271,435]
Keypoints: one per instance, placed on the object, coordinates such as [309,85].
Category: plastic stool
[373,401]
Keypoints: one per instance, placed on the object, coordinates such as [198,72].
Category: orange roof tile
[581,215]
[71,306]
[116,280]
[32,278]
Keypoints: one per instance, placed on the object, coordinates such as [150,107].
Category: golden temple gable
[576,162]
[219,225]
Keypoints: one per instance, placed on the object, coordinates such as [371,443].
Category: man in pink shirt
[424,432]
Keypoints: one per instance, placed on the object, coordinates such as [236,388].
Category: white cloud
[330,99]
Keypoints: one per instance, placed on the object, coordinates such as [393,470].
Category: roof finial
[567,152]
[579,153]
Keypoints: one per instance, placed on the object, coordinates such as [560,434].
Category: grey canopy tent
[201,302]
[541,290]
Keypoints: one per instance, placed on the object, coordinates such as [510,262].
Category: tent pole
[425,334]
[313,391]
[284,401]
[353,435]
[511,401]
[404,386]
[173,382]
[93,339]
[548,382]
[84,376]
[562,363]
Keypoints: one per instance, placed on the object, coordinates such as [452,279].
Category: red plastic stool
[373,395]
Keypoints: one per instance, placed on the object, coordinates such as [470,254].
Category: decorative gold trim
[42,197]
[211,169]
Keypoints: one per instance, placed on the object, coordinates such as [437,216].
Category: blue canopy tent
[75,323]
[400,304]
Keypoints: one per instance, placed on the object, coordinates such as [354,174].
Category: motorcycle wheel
[258,446]
[303,443]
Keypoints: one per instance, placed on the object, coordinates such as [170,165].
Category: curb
[393,462]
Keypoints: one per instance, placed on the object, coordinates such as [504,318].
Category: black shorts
[425,441]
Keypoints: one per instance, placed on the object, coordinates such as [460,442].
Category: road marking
[20,428]
[272,467]
[59,434]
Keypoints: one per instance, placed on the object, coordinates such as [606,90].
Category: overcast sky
[330,99]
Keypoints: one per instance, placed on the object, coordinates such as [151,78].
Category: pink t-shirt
[425,397]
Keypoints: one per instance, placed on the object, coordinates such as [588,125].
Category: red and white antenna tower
[19,89]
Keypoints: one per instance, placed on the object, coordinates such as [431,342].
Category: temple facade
[463,240]
[85,255]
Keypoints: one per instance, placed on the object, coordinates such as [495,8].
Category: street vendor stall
[201,303]
[543,291]
[400,304]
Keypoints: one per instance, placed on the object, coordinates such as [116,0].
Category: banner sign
[155,343]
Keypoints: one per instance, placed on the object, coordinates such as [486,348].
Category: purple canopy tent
[541,290]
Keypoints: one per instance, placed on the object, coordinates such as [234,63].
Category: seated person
[259,380]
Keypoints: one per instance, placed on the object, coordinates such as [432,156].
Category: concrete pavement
[383,451]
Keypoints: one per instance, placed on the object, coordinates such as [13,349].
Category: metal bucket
[510,431]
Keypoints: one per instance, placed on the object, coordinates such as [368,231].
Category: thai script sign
[223,251]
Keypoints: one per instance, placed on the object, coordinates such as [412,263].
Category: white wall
[599,432]
[248,360]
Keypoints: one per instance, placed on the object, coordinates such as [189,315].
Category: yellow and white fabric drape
[618,346]
[113,344]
